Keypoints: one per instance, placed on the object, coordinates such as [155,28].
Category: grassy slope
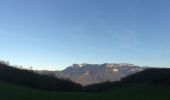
[13,92]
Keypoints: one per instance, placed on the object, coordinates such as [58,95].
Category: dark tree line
[152,76]
[34,80]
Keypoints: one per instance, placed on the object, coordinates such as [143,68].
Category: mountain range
[87,74]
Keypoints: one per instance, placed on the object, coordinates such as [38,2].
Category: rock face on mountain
[87,74]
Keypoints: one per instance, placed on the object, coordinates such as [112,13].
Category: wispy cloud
[127,38]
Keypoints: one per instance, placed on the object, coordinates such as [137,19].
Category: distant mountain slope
[87,74]
[148,77]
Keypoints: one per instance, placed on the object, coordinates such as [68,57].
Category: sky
[54,34]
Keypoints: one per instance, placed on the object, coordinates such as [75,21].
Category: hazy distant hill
[87,74]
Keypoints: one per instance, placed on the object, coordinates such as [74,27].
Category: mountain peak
[107,65]
[77,65]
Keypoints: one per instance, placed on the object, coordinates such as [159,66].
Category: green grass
[13,92]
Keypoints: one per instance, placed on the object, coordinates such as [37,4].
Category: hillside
[29,78]
[152,76]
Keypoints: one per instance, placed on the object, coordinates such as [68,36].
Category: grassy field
[13,92]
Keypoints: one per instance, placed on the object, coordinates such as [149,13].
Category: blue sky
[53,34]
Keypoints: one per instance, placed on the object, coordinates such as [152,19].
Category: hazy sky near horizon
[53,34]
